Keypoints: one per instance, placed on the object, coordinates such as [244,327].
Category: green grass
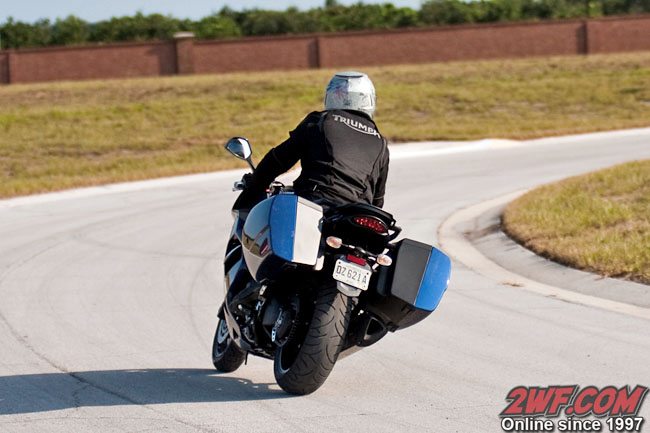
[598,222]
[61,135]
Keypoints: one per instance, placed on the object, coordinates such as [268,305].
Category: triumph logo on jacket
[357,126]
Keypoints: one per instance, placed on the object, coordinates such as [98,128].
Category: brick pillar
[4,67]
[184,52]
[319,57]
[12,67]
[323,59]
[584,43]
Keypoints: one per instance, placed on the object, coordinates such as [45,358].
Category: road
[108,304]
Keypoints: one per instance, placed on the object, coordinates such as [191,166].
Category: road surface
[108,306]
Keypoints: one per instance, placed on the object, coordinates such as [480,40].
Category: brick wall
[453,43]
[78,63]
[621,34]
[467,42]
[255,54]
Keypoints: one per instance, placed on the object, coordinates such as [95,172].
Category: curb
[489,238]
[454,242]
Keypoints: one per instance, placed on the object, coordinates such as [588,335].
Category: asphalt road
[108,307]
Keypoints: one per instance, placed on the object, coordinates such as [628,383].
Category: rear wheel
[226,356]
[303,363]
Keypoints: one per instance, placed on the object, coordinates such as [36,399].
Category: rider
[344,159]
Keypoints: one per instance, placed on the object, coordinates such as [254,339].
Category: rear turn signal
[384,260]
[371,223]
[334,242]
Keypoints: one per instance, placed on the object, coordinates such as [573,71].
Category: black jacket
[344,160]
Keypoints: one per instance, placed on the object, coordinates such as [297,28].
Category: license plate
[352,274]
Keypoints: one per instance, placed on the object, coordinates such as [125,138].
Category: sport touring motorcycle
[305,286]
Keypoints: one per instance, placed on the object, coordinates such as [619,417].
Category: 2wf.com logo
[588,409]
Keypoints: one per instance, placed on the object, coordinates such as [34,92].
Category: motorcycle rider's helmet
[351,91]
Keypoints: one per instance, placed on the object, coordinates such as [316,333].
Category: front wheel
[226,356]
[301,366]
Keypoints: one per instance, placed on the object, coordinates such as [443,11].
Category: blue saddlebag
[280,232]
[412,288]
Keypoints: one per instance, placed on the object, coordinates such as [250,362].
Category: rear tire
[301,367]
[226,355]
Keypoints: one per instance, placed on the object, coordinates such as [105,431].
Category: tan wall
[186,56]
[76,63]
[255,54]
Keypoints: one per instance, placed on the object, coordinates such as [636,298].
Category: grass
[599,222]
[62,135]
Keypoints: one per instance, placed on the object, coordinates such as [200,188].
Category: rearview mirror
[241,148]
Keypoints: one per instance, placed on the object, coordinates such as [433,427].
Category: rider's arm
[281,158]
[380,185]
[278,160]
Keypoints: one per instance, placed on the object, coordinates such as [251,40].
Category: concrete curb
[455,243]
[492,242]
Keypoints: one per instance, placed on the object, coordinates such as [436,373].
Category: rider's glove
[247,180]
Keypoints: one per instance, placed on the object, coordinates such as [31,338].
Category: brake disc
[286,324]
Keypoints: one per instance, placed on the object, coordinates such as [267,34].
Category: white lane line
[606,135]
[432,148]
[420,150]
[397,152]
[120,187]
[456,245]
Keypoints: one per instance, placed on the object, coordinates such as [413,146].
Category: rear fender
[347,290]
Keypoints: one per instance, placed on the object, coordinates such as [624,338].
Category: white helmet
[351,91]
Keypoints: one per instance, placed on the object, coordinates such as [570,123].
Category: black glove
[247,180]
[251,195]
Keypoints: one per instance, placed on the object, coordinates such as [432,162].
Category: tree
[262,22]
[69,31]
[17,34]
[216,26]
[332,16]
[447,12]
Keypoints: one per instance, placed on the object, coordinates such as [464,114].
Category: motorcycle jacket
[343,156]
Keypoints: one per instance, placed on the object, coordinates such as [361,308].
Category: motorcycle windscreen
[421,274]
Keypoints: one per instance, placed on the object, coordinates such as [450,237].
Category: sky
[32,10]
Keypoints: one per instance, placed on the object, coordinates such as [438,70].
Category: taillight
[371,223]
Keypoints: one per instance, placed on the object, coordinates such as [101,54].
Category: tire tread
[322,345]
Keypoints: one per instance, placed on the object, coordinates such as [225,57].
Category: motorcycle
[306,285]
